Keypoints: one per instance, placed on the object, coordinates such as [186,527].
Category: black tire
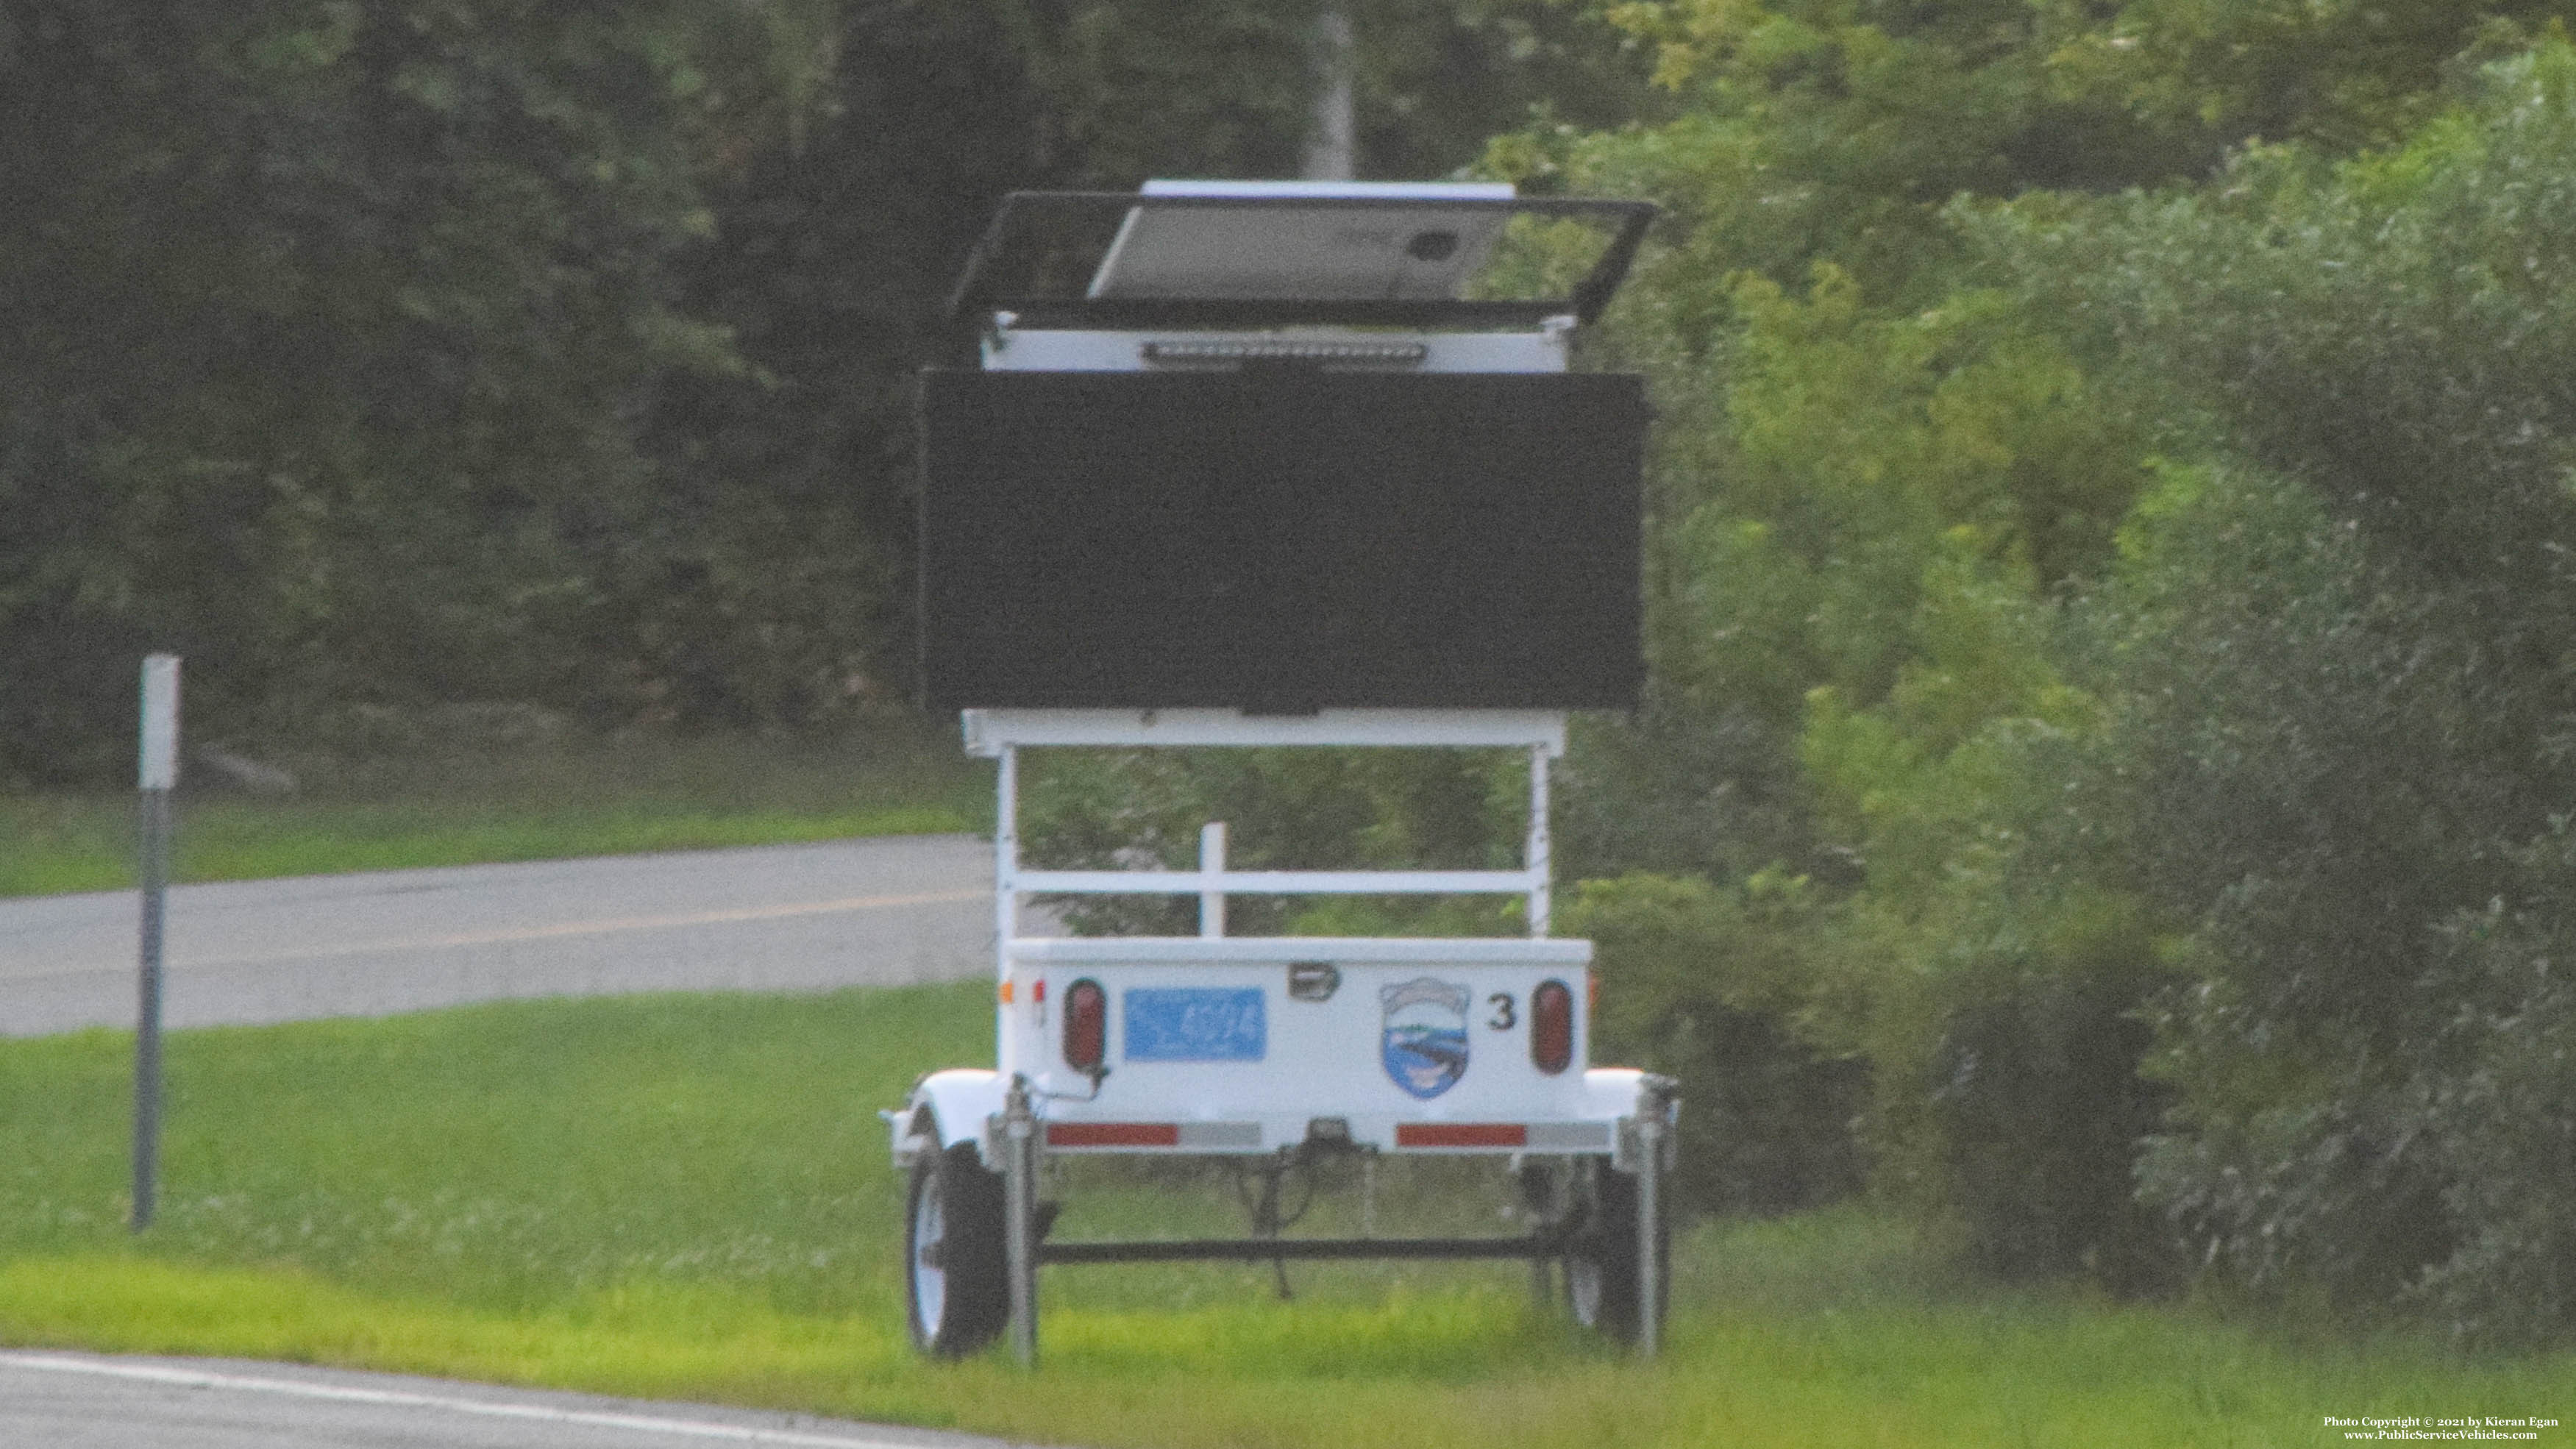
[956,1273]
[1602,1272]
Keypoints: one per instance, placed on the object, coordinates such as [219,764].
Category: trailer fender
[947,1108]
[1622,1094]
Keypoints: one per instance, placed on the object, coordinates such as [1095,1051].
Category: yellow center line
[586,928]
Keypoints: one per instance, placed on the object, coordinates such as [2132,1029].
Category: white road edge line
[394,1398]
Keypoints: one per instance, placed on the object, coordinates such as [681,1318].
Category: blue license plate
[1195,1024]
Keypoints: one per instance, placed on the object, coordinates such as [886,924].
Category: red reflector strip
[1460,1134]
[1113,1134]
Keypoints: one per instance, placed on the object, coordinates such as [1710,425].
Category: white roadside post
[1537,854]
[1654,1101]
[157,774]
[1212,867]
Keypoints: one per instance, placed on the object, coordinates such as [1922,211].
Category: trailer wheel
[953,1252]
[1601,1271]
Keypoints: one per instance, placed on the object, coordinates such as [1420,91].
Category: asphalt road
[883,911]
[89,1401]
[776,918]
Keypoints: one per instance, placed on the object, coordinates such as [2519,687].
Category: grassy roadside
[521,800]
[688,1196]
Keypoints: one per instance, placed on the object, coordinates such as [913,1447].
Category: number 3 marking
[1503,1020]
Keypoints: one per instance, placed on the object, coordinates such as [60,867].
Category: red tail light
[1552,1027]
[1086,1025]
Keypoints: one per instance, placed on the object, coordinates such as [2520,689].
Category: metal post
[1332,136]
[1539,1187]
[157,774]
[1019,1187]
[1650,1207]
[1006,852]
[1538,857]
[1006,892]
[1212,865]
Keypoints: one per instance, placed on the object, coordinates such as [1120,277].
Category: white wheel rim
[929,1233]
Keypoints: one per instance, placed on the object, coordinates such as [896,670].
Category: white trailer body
[1279,1048]
[1258,1045]
[1249,1044]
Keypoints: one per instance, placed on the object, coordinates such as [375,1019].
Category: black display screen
[1280,540]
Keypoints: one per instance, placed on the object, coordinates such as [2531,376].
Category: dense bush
[2163,597]
[2340,684]
[1708,985]
[2309,753]
[2037,1104]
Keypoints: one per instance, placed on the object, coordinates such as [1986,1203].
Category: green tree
[383,349]
[1139,88]
[325,325]
[775,589]
[2341,681]
[1889,464]
[2338,76]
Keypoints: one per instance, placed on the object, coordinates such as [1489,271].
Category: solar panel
[1321,252]
[1225,254]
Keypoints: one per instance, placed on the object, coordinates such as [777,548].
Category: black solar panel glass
[1280,541]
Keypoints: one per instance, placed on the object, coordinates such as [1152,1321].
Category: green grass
[542,801]
[688,1196]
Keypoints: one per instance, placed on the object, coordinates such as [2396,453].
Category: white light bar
[1280,950]
[989,731]
[1336,190]
[1278,882]
[1059,349]
[1376,354]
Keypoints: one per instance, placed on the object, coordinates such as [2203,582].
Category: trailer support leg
[1650,1209]
[1542,1206]
[1019,1195]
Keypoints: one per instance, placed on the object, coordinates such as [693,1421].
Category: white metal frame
[1000,734]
